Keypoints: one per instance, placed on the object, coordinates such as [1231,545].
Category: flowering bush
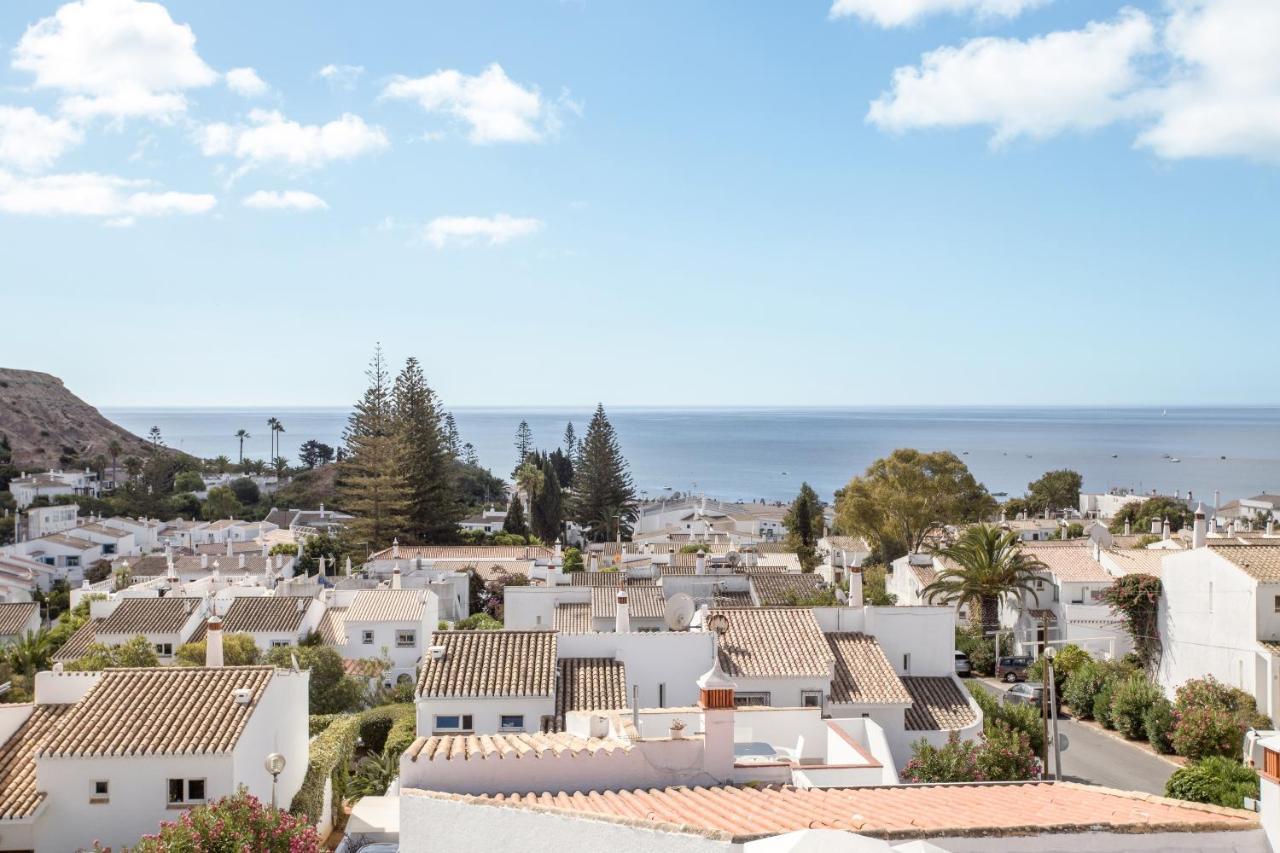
[1158,722]
[1210,718]
[1136,598]
[1130,701]
[238,822]
[1088,679]
[1003,755]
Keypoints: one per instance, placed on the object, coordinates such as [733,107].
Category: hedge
[330,758]
[317,723]
[376,723]
[403,733]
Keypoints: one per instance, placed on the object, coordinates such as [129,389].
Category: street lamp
[1049,654]
[275,766]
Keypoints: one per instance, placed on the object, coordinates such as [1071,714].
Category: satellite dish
[678,611]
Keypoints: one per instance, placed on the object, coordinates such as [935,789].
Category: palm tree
[272,423]
[114,448]
[31,653]
[242,434]
[133,466]
[529,479]
[279,431]
[984,566]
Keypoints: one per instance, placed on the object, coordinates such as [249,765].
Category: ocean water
[766,453]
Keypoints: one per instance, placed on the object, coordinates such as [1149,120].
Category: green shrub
[1023,718]
[1067,660]
[478,622]
[1158,722]
[1130,701]
[956,761]
[1205,731]
[403,733]
[1102,704]
[238,822]
[330,758]
[1217,779]
[376,723]
[1087,680]
[317,723]
[980,649]
[1007,755]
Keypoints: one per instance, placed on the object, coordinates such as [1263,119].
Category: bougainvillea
[1137,598]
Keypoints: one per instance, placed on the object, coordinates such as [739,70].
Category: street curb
[1132,744]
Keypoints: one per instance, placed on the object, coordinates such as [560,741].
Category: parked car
[963,667]
[1011,668]
[1024,693]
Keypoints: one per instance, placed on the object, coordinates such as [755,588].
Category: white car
[1253,745]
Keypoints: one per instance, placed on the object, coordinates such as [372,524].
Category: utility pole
[1044,679]
[1053,707]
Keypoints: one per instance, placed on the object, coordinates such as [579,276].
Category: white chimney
[242,695]
[1164,529]
[1199,530]
[1128,527]
[204,561]
[395,547]
[395,577]
[213,642]
[1155,526]
[715,697]
[240,562]
[229,551]
[622,622]
[700,563]
[595,562]
[322,510]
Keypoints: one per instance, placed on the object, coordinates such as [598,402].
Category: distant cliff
[49,427]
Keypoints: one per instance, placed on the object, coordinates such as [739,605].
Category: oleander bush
[1131,699]
[1006,755]
[1210,718]
[1219,780]
[1003,755]
[1158,722]
[235,823]
[1023,718]
[1102,704]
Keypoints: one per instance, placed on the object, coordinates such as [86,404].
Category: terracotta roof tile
[521,745]
[268,613]
[78,643]
[774,642]
[466,552]
[18,795]
[490,663]
[937,704]
[149,616]
[901,811]
[160,711]
[14,616]
[589,684]
[386,605]
[1260,562]
[1133,561]
[863,675]
[643,602]
[573,618]
[1069,562]
[775,589]
[332,627]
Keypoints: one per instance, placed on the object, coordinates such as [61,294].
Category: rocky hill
[49,427]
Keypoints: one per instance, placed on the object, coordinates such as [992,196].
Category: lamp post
[275,766]
[1049,654]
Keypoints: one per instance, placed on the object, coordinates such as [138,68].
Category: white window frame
[465,723]
[753,699]
[406,638]
[104,796]
[164,650]
[186,799]
[807,695]
[279,644]
[366,638]
[513,727]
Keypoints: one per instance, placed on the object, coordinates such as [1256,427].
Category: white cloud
[470,230]
[246,82]
[896,13]
[114,58]
[1070,80]
[271,139]
[495,108]
[31,141]
[1224,98]
[341,76]
[98,195]
[284,200]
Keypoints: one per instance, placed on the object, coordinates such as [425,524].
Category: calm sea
[767,453]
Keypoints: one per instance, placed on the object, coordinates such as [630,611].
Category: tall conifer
[433,509]
[602,485]
[370,482]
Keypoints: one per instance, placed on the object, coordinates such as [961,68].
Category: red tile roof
[902,811]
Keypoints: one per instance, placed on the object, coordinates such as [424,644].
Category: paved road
[1101,760]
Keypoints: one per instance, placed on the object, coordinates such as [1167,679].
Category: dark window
[195,790]
[175,790]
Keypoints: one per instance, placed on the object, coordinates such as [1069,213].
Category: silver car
[963,667]
[1024,693]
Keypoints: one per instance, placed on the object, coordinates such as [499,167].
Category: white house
[487,682]
[110,755]
[20,578]
[488,521]
[387,624]
[166,623]
[271,620]
[53,484]
[43,520]
[66,553]
[18,619]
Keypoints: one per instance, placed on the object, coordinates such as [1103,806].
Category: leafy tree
[478,622]
[331,691]
[478,486]
[317,546]
[371,484]
[514,522]
[1140,515]
[154,436]
[907,495]
[432,508]
[603,491]
[988,565]
[572,560]
[312,453]
[237,650]
[221,503]
[524,443]
[246,491]
[495,592]
[547,512]
[1055,490]
[804,526]
[30,653]
[188,481]
[875,591]
[1218,780]
[137,652]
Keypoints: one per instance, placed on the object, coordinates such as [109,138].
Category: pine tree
[469,455]
[514,522]
[570,440]
[370,481]
[433,509]
[524,443]
[451,438]
[603,490]
[547,512]
[803,521]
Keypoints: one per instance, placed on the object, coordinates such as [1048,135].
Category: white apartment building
[390,625]
[43,520]
[53,484]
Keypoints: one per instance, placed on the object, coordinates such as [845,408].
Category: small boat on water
[1174,459]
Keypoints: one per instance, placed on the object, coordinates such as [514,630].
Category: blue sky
[644,203]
